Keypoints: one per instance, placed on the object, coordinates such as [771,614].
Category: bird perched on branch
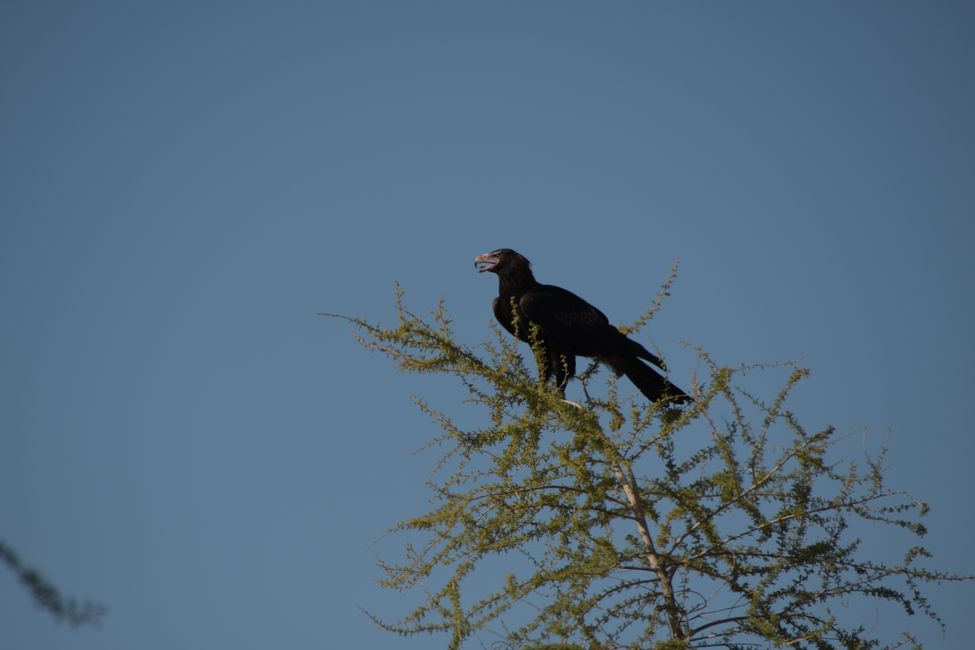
[567,327]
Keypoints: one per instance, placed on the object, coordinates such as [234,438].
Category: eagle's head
[503,261]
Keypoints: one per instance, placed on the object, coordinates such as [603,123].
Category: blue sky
[185,185]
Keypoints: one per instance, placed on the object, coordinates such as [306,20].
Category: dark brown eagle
[568,327]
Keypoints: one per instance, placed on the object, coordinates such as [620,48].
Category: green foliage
[624,524]
[47,595]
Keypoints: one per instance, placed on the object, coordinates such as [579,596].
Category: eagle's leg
[564,368]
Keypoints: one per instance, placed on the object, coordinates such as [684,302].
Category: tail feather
[648,380]
[638,350]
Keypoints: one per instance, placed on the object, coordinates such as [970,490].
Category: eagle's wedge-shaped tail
[648,380]
[638,350]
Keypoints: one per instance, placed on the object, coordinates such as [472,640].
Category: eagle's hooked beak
[488,260]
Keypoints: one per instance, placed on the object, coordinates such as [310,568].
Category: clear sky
[183,185]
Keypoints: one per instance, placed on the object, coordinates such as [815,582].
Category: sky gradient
[185,185]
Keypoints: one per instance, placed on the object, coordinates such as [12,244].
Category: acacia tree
[622,524]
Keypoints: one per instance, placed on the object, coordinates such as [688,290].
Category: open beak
[486,262]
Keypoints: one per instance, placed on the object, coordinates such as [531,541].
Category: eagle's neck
[517,280]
